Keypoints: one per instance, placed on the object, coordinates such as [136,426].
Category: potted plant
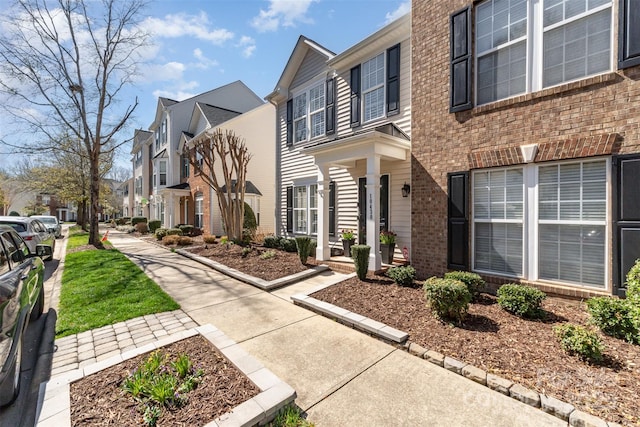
[387,245]
[348,239]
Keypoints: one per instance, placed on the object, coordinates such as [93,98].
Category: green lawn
[102,287]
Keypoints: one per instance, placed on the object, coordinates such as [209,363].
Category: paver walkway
[342,377]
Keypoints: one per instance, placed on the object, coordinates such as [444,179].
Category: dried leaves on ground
[524,351]
[98,400]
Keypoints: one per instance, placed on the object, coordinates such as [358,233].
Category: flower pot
[346,246]
[387,252]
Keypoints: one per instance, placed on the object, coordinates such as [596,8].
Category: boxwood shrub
[174,232]
[474,282]
[186,229]
[580,341]
[614,317]
[154,225]
[160,233]
[288,245]
[403,275]
[447,298]
[272,242]
[521,300]
[138,219]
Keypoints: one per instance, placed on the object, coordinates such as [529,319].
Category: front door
[627,221]
[362,207]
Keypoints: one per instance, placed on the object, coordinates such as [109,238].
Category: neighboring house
[126,192]
[526,141]
[257,128]
[161,190]
[343,141]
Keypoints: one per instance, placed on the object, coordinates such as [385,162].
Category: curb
[262,408]
[548,404]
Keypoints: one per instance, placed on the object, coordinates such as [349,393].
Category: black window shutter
[331,107]
[290,122]
[393,80]
[460,68]
[355,96]
[629,34]
[457,221]
[290,209]
[332,208]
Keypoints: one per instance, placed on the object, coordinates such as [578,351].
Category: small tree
[221,159]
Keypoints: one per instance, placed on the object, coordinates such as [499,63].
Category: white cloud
[182,24]
[170,71]
[203,63]
[404,8]
[178,92]
[284,13]
[248,46]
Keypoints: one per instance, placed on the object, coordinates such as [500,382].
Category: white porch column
[373,211]
[323,252]
[168,207]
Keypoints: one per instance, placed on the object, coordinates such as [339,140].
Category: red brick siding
[598,115]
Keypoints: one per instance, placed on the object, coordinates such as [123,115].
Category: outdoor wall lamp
[406,189]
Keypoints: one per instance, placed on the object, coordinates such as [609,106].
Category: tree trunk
[94,235]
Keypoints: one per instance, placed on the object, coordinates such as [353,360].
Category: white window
[305,209]
[519,49]
[545,222]
[373,77]
[164,131]
[199,212]
[163,172]
[308,113]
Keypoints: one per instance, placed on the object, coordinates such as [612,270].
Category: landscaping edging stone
[251,280]
[54,402]
[550,405]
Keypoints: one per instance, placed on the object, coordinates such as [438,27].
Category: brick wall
[594,116]
[198,185]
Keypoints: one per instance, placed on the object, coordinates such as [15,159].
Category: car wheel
[38,308]
[11,388]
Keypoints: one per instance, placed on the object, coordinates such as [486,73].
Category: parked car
[21,301]
[51,222]
[39,240]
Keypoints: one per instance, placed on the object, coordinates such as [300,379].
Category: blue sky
[198,45]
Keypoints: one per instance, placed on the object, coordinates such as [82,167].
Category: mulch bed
[281,265]
[524,351]
[98,400]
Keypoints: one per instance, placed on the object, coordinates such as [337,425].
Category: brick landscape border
[54,402]
[564,411]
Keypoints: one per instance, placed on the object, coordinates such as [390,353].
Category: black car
[21,301]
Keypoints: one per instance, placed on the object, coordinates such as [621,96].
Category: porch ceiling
[345,151]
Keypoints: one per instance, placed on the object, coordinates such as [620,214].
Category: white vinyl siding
[558,234]
[519,49]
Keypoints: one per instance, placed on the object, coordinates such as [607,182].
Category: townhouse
[343,141]
[526,141]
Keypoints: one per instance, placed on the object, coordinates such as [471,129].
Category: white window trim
[307,116]
[166,173]
[199,201]
[535,51]
[383,86]
[308,209]
[530,227]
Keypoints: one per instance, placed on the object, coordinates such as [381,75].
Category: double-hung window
[308,113]
[163,172]
[305,209]
[199,211]
[373,77]
[545,222]
[528,45]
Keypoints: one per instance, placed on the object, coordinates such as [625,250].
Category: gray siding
[312,64]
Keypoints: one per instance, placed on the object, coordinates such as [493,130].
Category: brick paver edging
[548,404]
[255,281]
[54,402]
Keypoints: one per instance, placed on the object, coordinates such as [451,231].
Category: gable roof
[302,47]
[216,115]
[249,188]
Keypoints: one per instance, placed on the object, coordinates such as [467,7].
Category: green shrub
[268,255]
[14,213]
[138,219]
[447,298]
[160,233]
[246,251]
[614,317]
[474,282]
[272,242]
[403,276]
[209,238]
[313,245]
[360,255]
[142,228]
[521,300]
[302,244]
[186,229]
[580,341]
[288,245]
[154,225]
[633,293]
[249,223]
[174,232]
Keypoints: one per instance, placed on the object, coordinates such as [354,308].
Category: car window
[37,226]
[14,253]
[4,263]
[48,220]
[18,226]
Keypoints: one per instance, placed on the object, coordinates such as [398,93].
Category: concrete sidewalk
[342,377]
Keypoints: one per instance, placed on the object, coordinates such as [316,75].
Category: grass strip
[102,287]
